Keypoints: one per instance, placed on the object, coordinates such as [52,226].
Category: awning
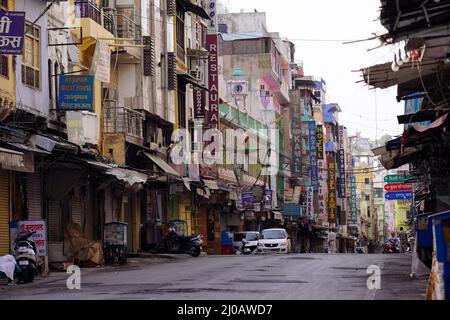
[187,183]
[420,116]
[11,158]
[211,184]
[190,79]
[162,164]
[130,177]
[27,148]
[188,6]
[436,124]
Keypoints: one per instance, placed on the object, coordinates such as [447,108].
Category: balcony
[95,22]
[130,32]
[123,120]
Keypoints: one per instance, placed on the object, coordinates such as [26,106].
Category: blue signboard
[12,28]
[76,92]
[292,209]
[406,195]
[248,200]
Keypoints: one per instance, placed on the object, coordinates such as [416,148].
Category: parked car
[249,237]
[274,240]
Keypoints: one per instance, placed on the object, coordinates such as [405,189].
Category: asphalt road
[258,277]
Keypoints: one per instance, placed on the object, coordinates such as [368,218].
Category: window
[182,107]
[367,181]
[368,211]
[180,33]
[4,68]
[3,5]
[50,85]
[367,198]
[31,56]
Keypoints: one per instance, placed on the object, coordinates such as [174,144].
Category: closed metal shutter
[76,208]
[108,206]
[34,196]
[54,222]
[4,212]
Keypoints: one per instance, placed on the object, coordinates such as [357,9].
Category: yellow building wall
[8,85]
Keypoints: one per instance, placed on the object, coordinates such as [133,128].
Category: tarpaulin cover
[8,265]
[81,248]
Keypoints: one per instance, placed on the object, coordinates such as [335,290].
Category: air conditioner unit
[196,74]
[239,87]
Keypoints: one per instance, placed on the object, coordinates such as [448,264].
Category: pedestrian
[403,236]
[332,241]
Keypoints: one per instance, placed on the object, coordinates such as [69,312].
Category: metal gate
[4,212]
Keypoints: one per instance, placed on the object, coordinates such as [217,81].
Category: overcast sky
[334,61]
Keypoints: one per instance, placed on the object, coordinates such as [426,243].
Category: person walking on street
[403,236]
[332,241]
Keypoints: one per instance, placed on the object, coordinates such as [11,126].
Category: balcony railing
[123,120]
[87,9]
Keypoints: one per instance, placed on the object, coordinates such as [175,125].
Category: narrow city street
[257,277]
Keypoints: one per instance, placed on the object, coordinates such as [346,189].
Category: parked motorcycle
[174,243]
[391,246]
[25,255]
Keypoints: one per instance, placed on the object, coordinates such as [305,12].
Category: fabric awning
[188,6]
[11,158]
[211,184]
[436,124]
[162,164]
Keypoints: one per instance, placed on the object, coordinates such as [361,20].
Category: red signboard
[213,80]
[394,187]
[331,188]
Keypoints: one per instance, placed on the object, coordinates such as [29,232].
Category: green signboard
[397,178]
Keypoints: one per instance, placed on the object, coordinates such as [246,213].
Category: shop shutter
[54,222]
[4,212]
[76,208]
[34,196]
[108,206]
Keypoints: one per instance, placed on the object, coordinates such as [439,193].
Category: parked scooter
[391,246]
[25,254]
[174,243]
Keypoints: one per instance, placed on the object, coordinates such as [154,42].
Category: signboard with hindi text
[76,92]
[12,28]
[40,236]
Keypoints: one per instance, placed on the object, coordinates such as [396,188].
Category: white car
[274,240]
[249,237]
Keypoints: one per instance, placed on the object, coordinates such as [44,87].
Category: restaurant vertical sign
[213,65]
[12,29]
[314,170]
[331,188]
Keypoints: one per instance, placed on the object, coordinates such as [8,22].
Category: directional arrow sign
[397,178]
[398,195]
[394,187]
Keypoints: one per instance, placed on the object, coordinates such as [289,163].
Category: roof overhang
[197,10]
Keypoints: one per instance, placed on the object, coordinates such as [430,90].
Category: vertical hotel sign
[331,188]
[341,164]
[213,68]
[314,170]
[319,142]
